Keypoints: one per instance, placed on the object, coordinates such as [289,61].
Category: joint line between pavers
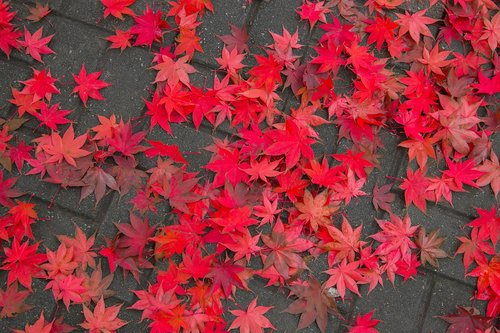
[427,303]
[444,276]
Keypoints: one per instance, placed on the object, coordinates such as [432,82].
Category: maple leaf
[313,12]
[262,169]
[96,286]
[462,173]
[415,186]
[415,24]
[292,141]
[136,235]
[118,8]
[344,275]
[88,85]
[474,248]
[9,38]
[344,243]
[68,288]
[435,60]
[466,320]
[226,275]
[22,262]
[149,27]
[81,246]
[236,40]
[38,12]
[12,301]
[96,180]
[488,223]
[316,211]
[430,247]
[102,319]
[120,40]
[36,45]
[284,246]
[68,147]
[159,148]
[492,31]
[252,320]
[174,71]
[313,303]
[364,324]
[231,61]
[382,197]
[188,43]
[40,326]
[41,85]
[60,262]
[7,192]
[486,85]
[381,30]
[395,236]
[52,116]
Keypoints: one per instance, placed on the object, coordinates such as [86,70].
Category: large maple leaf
[316,210]
[23,263]
[88,85]
[345,275]
[118,8]
[466,320]
[96,180]
[62,148]
[284,246]
[252,320]
[313,303]
[415,24]
[149,27]
[102,319]
[36,45]
[12,301]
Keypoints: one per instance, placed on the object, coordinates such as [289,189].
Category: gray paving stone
[401,308]
[217,23]
[445,297]
[53,4]
[74,44]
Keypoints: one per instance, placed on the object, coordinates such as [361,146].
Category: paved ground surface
[410,306]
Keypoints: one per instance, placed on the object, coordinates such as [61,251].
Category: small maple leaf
[52,116]
[435,60]
[7,192]
[236,40]
[174,71]
[252,320]
[88,85]
[149,27]
[40,326]
[120,40]
[36,45]
[118,8]
[38,12]
[382,197]
[345,275]
[364,324]
[68,147]
[415,24]
[316,210]
[430,247]
[102,319]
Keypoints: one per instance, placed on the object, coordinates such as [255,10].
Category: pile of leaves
[267,203]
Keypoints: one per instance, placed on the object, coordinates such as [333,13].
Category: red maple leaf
[120,40]
[22,262]
[12,301]
[36,45]
[40,326]
[364,324]
[313,12]
[174,71]
[488,223]
[466,320]
[395,236]
[435,60]
[96,180]
[118,8]
[344,275]
[382,197]
[491,173]
[284,246]
[136,235]
[7,192]
[236,40]
[52,116]
[41,85]
[68,147]
[149,27]
[68,288]
[313,303]
[415,24]
[415,186]
[252,320]
[430,247]
[88,85]
[225,275]
[9,38]
[102,319]
[381,30]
